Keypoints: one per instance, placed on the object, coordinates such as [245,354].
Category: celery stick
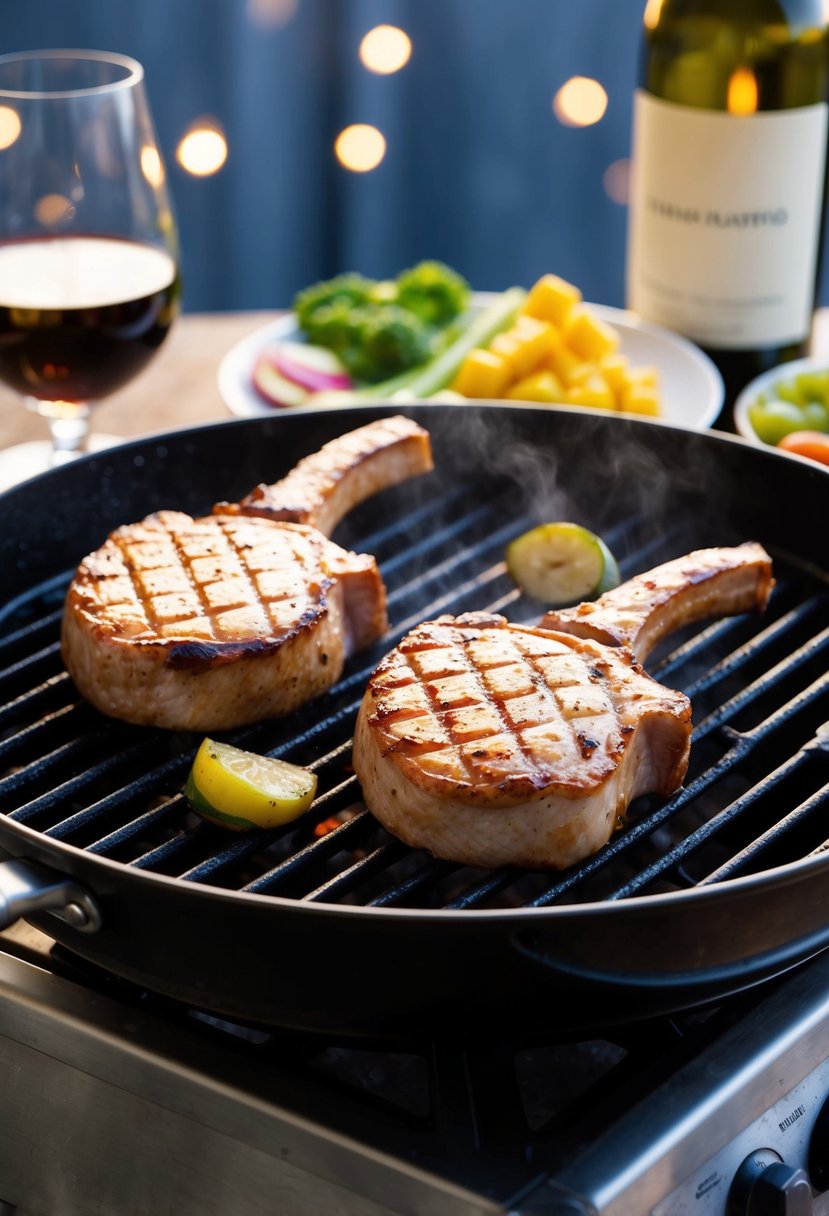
[490,321]
[387,389]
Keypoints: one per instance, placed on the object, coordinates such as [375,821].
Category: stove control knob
[765,1186]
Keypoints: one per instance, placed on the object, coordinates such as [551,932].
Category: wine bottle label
[725,221]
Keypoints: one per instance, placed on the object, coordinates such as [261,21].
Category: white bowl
[764,384]
[692,388]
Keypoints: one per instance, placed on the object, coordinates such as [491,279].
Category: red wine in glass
[80,316]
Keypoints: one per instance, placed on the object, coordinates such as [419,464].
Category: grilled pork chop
[207,624]
[495,744]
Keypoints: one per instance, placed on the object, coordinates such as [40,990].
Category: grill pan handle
[609,971]
[26,888]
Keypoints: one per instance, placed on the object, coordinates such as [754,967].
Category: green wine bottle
[728,180]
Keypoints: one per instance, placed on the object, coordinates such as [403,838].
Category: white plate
[765,382]
[692,388]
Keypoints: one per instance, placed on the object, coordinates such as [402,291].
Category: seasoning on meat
[207,624]
[495,744]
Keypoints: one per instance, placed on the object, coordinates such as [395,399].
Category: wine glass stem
[68,423]
[68,437]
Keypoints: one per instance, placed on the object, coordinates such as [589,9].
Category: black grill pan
[329,924]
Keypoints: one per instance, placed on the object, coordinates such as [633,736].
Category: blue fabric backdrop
[479,172]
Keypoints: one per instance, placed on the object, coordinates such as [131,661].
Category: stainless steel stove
[120,1103]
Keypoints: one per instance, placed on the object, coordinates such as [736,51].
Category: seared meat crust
[208,624]
[497,744]
[326,485]
[648,607]
[491,744]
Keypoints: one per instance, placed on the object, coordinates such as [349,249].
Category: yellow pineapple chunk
[590,337]
[638,392]
[505,345]
[641,399]
[594,391]
[526,325]
[569,366]
[551,299]
[525,345]
[559,349]
[643,376]
[555,344]
[614,369]
[482,374]
[540,386]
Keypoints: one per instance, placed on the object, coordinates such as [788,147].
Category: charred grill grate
[756,793]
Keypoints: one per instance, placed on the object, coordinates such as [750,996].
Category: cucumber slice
[241,790]
[562,563]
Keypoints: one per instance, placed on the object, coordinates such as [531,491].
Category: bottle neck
[736,56]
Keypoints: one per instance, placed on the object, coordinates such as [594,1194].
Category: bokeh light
[10,126]
[271,14]
[580,102]
[385,49]
[742,92]
[151,165]
[360,147]
[616,181]
[203,149]
[50,209]
[653,9]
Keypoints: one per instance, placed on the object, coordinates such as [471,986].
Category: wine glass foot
[24,460]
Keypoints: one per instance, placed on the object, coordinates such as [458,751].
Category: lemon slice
[240,790]
[562,563]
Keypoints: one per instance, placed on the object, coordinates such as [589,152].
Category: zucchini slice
[562,563]
[241,790]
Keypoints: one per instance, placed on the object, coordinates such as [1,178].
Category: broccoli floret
[385,291]
[385,340]
[350,290]
[373,341]
[432,291]
[332,325]
[382,328]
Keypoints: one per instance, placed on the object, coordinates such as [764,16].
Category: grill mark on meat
[441,710]
[229,552]
[217,622]
[189,654]
[526,738]
[231,565]
[147,601]
[193,655]
[560,726]
[186,655]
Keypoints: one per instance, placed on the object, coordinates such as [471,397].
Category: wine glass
[89,282]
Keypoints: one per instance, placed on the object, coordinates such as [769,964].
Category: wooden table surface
[178,388]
